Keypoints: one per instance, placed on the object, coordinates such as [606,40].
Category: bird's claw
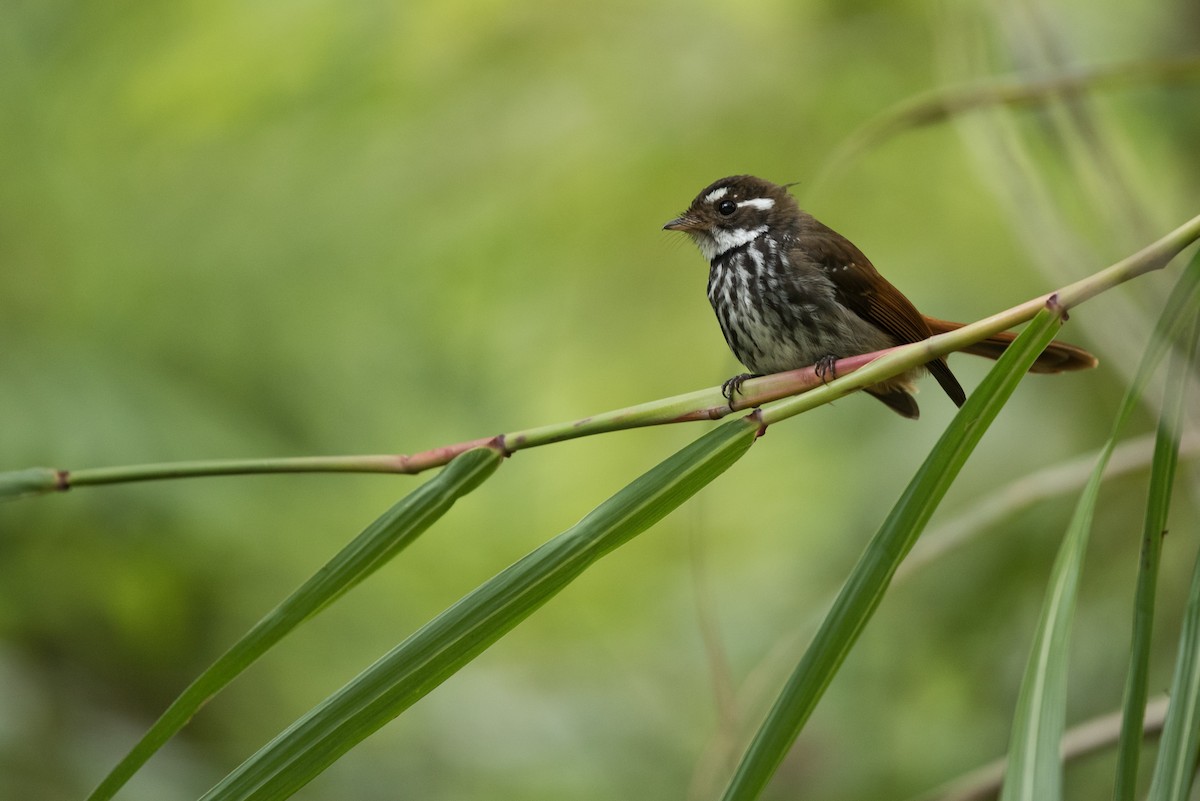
[826,368]
[734,386]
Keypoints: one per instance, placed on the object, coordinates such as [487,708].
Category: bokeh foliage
[256,229]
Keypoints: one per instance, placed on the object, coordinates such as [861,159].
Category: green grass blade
[1179,746]
[378,543]
[463,631]
[867,583]
[1158,502]
[1034,770]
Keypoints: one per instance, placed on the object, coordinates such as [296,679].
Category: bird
[790,292]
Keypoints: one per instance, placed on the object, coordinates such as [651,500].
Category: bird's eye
[726,207]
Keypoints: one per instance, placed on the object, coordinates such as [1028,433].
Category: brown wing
[868,294]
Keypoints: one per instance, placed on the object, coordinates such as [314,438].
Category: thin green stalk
[1179,748]
[855,372]
[1033,771]
[1162,477]
[934,107]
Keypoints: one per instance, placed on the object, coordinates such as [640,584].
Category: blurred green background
[271,228]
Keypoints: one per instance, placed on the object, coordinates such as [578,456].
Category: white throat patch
[722,240]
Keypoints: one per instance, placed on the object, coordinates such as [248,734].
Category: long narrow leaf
[1158,502]
[1034,769]
[459,634]
[378,543]
[867,583]
[1179,747]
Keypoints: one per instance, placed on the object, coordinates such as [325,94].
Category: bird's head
[734,211]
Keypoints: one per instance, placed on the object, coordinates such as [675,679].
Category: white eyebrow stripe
[760,203]
[716,194]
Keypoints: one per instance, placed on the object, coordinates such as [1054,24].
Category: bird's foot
[826,368]
[734,386]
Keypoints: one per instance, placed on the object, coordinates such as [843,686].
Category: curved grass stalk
[937,106]
[854,373]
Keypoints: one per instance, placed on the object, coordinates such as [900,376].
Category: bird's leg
[734,385]
[826,368]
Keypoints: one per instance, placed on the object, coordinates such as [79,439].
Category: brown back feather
[868,294]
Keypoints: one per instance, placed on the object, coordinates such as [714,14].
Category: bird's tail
[1058,356]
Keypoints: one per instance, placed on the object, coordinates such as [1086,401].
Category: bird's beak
[684,223]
